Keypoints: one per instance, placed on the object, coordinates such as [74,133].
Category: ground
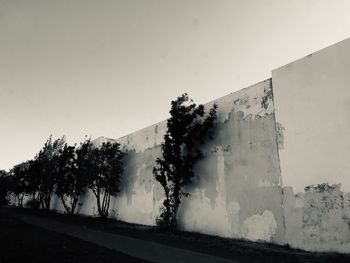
[31,241]
[20,242]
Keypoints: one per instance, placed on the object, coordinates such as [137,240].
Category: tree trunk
[74,204]
[66,207]
[47,201]
[106,201]
[41,200]
[20,200]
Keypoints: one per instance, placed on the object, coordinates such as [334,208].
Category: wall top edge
[333,46]
[207,104]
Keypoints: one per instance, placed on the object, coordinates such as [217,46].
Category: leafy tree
[72,175]
[47,169]
[18,183]
[66,178]
[4,187]
[32,184]
[187,128]
[105,169]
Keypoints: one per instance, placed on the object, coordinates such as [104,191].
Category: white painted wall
[312,107]
[312,103]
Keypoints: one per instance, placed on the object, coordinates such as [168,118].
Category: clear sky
[109,68]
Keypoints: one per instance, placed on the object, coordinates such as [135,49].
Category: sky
[109,68]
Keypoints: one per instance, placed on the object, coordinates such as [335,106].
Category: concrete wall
[312,105]
[238,190]
[318,219]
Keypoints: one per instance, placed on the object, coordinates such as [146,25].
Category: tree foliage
[72,174]
[67,171]
[4,187]
[17,180]
[66,179]
[32,184]
[105,168]
[46,168]
[187,128]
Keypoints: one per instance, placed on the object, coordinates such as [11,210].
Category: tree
[187,128]
[18,185]
[32,184]
[72,176]
[105,169]
[47,169]
[4,187]
[66,178]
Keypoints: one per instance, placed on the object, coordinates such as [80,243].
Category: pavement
[134,247]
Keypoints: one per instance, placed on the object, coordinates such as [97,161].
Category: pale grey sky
[111,67]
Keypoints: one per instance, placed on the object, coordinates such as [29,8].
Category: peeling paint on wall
[267,98]
[318,219]
[280,135]
[239,175]
[260,227]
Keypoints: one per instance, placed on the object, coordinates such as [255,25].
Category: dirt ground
[240,250]
[20,242]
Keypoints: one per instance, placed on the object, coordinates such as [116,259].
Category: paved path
[143,249]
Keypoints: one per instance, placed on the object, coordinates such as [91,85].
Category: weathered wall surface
[318,219]
[312,105]
[237,191]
